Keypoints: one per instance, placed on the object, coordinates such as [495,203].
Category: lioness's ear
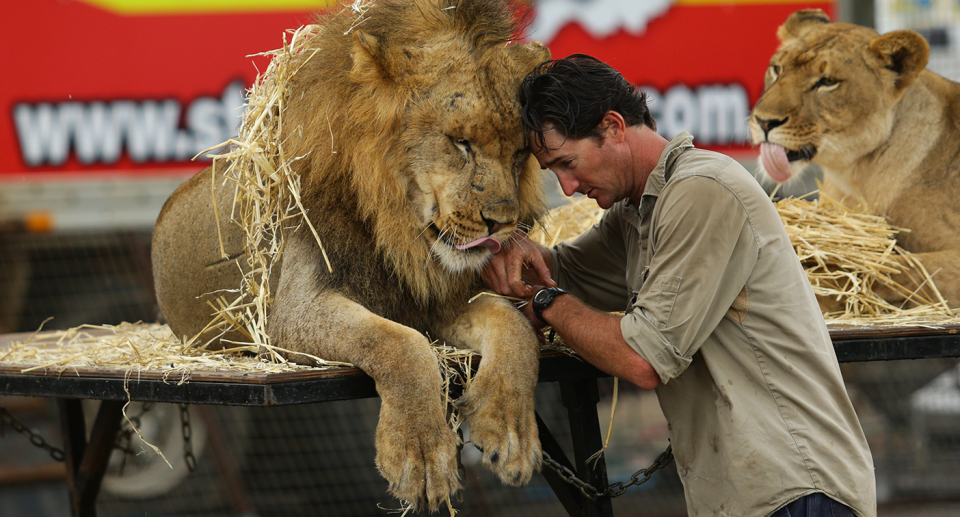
[800,22]
[905,53]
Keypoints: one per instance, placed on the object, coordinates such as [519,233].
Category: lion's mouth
[806,152]
[477,245]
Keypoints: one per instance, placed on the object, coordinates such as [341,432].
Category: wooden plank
[554,365]
[28,475]
[847,332]
[231,377]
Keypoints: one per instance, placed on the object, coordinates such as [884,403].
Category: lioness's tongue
[489,242]
[774,158]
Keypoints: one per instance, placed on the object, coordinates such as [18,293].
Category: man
[720,318]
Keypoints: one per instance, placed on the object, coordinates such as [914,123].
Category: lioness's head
[439,95]
[829,92]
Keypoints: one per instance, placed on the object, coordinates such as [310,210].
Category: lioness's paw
[418,459]
[503,425]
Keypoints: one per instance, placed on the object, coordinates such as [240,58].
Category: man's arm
[597,338]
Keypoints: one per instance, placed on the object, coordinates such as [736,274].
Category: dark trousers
[814,505]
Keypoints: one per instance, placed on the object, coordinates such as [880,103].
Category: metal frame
[87,460]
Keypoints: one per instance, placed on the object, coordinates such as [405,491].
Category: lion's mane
[355,139]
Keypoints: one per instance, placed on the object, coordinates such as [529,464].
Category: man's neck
[646,147]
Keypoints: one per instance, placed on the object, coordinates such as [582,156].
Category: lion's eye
[826,84]
[463,144]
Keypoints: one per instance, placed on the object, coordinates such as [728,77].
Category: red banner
[141,87]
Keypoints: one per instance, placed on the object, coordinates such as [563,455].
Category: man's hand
[527,310]
[505,271]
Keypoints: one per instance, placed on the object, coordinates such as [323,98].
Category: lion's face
[829,93]
[467,154]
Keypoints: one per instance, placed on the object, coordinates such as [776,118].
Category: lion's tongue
[774,158]
[489,242]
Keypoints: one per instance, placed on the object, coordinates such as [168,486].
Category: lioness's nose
[767,124]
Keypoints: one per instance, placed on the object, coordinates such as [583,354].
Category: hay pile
[137,347]
[849,253]
[566,222]
[846,253]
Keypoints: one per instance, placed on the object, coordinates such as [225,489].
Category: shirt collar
[668,159]
[664,169]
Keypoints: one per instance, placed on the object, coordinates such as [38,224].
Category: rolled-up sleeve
[704,250]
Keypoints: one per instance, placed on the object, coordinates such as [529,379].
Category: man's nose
[569,185]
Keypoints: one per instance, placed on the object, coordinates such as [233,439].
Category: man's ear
[614,126]
[799,23]
[905,52]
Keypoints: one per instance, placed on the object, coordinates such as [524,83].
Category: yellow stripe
[141,7]
[811,3]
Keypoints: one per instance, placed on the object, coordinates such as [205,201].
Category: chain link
[8,419]
[187,431]
[616,489]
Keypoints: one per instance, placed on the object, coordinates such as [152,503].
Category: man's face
[588,166]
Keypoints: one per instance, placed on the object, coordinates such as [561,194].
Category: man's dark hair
[574,94]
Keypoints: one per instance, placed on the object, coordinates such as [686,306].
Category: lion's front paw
[503,425]
[417,458]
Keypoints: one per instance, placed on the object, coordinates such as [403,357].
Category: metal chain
[616,489]
[8,419]
[188,456]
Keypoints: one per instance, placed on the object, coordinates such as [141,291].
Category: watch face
[541,296]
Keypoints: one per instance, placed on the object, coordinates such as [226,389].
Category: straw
[266,189]
[845,252]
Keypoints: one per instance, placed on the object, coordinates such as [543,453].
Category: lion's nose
[493,226]
[767,124]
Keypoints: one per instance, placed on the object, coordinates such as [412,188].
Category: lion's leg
[499,402]
[416,449]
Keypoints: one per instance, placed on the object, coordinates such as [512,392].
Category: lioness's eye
[774,71]
[826,83]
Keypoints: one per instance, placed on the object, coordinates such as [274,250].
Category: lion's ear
[799,23]
[905,52]
[528,56]
[376,60]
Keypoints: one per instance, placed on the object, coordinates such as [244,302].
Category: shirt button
[683,472]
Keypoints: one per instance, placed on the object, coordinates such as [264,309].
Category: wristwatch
[543,299]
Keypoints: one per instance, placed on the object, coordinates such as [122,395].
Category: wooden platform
[87,459]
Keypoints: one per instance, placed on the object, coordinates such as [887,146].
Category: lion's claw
[503,427]
[418,461]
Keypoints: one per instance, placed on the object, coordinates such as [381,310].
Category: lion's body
[408,129]
[883,129]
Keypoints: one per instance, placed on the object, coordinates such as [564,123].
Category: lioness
[883,129]
[414,169]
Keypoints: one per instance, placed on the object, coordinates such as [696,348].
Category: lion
[414,170]
[884,130]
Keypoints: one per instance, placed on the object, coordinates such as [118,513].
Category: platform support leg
[86,461]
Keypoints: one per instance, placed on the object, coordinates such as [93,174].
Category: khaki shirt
[717,302]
